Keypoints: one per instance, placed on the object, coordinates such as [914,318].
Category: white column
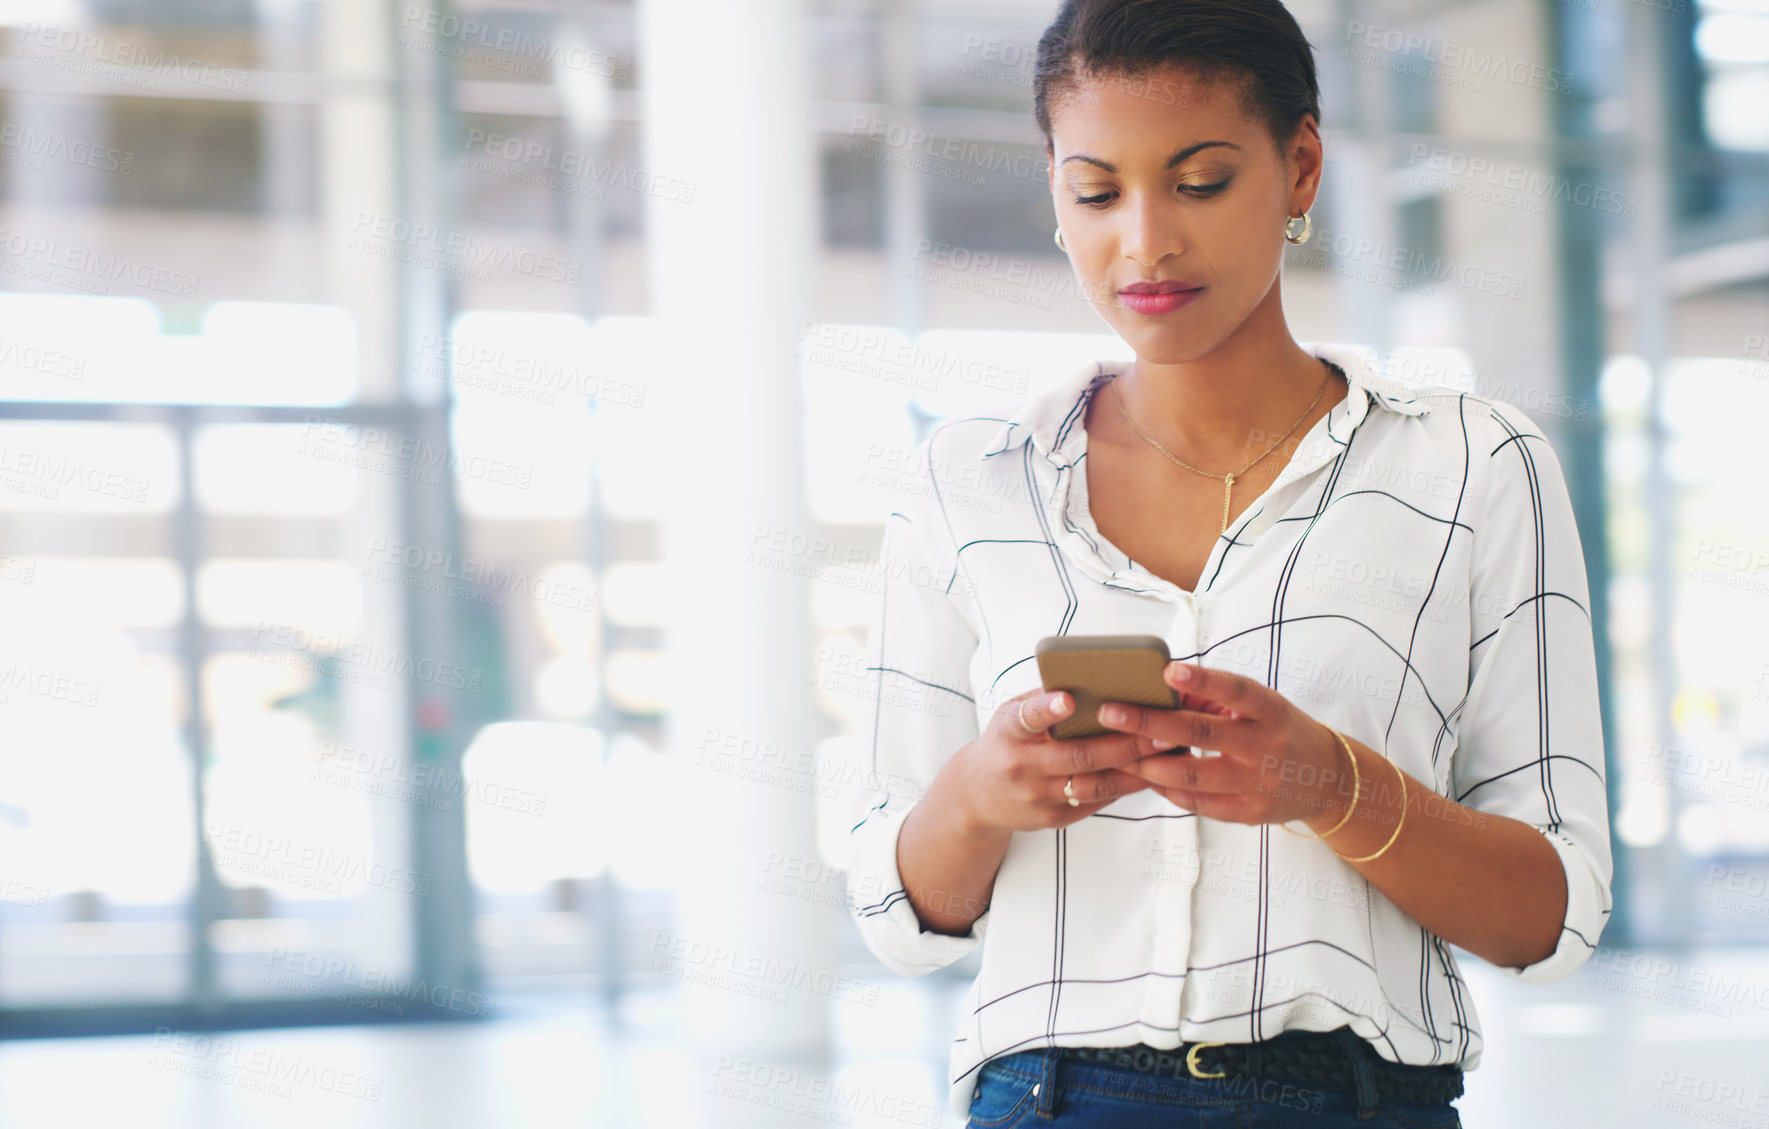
[61,201]
[357,147]
[286,147]
[357,144]
[1649,311]
[1515,342]
[726,107]
[1354,203]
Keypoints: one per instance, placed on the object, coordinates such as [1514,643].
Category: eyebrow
[1171,161]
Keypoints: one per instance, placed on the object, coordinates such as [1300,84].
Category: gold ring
[1069,791]
[1191,1061]
[1022,712]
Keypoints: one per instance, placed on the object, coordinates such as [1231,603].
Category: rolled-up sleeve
[1530,740]
[919,647]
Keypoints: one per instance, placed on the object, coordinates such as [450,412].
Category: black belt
[1320,1059]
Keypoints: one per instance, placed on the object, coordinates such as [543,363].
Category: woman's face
[1212,219]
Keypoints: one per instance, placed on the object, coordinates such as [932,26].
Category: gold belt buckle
[1191,1061]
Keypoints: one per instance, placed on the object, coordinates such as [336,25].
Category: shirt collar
[1049,418]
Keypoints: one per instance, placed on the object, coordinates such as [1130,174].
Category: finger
[1204,705]
[1096,787]
[1030,714]
[1190,774]
[1235,692]
[1088,754]
[1182,727]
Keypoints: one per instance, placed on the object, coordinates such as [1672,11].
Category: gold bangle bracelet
[1357,784]
[1397,826]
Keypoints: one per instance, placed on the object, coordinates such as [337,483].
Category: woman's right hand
[1011,777]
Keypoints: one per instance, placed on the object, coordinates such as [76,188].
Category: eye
[1197,190]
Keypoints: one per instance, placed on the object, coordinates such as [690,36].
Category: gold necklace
[1228,480]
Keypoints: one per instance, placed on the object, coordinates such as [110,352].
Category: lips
[1172,286]
[1160,302]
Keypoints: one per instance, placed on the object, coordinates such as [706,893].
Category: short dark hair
[1254,44]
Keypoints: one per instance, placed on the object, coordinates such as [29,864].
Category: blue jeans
[1038,1089]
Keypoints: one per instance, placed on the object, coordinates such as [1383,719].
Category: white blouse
[1412,578]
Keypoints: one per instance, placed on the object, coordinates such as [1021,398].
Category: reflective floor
[1644,1039]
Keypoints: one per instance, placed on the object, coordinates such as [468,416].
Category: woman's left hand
[1278,763]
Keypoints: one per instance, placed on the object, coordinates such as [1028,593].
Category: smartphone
[1105,668]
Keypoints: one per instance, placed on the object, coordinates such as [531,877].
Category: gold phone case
[1104,668]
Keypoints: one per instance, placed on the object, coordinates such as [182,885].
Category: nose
[1151,229]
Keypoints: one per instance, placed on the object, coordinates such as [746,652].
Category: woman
[1378,606]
